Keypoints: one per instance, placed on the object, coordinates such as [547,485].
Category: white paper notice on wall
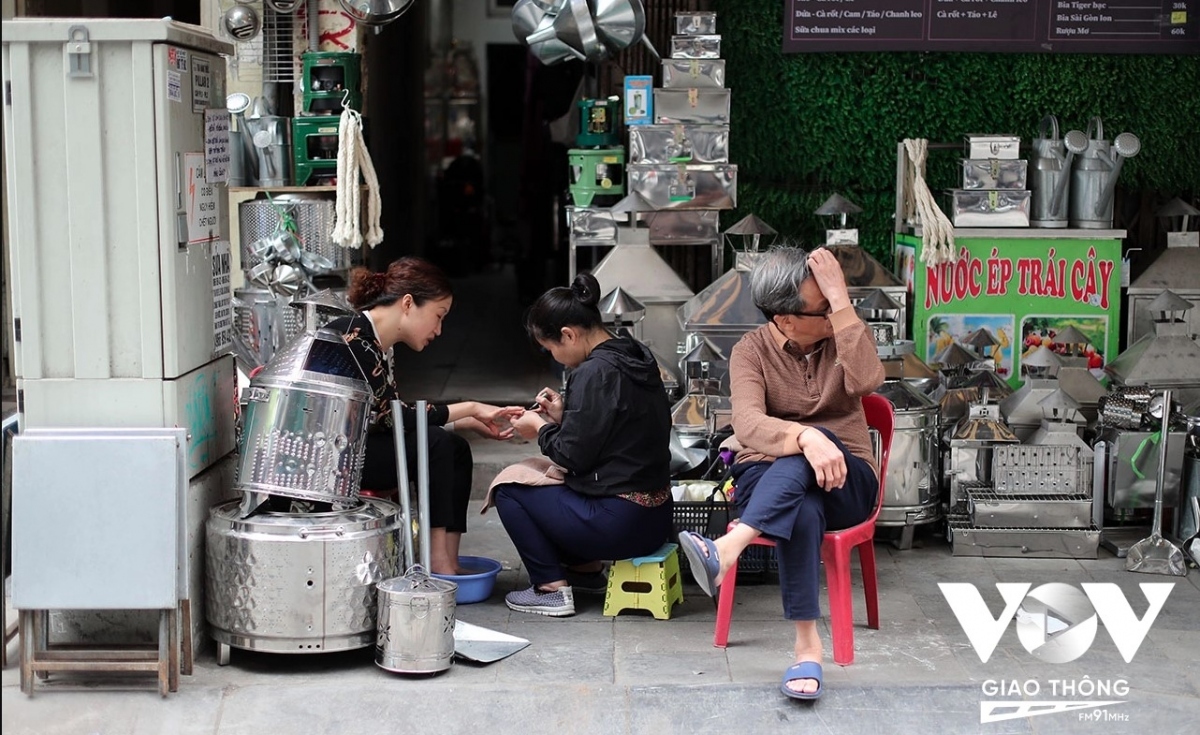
[201,84]
[222,271]
[216,145]
[201,198]
[174,86]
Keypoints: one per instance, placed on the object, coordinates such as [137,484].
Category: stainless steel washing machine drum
[305,423]
[911,488]
[298,582]
[314,216]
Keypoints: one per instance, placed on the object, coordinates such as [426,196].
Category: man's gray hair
[776,278]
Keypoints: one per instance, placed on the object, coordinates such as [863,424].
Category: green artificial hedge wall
[807,125]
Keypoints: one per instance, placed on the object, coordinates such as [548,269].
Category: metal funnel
[573,26]
[620,23]
[527,17]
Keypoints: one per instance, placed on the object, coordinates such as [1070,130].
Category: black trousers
[450,468]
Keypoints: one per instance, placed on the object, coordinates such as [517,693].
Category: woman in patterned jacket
[406,305]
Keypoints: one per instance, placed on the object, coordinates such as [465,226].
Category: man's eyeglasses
[812,315]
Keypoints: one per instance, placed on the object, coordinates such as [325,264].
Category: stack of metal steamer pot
[912,487]
[1020,473]
[292,567]
[712,322]
[679,173]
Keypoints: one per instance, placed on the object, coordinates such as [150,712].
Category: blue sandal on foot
[803,670]
[705,567]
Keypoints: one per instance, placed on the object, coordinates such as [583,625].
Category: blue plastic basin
[475,587]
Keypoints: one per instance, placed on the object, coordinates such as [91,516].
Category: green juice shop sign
[1024,291]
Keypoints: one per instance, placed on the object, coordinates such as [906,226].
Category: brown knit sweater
[776,390]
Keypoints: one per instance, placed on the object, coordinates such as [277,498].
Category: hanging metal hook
[345,98]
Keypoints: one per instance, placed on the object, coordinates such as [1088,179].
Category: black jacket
[616,428]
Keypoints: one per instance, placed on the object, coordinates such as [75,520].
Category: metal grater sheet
[1049,469]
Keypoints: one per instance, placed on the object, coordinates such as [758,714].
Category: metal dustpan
[483,645]
[1156,555]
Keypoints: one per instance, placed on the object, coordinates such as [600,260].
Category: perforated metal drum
[314,216]
[264,321]
[305,424]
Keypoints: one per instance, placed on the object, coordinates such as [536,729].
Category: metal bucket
[911,488]
[1088,179]
[305,426]
[1050,172]
[415,623]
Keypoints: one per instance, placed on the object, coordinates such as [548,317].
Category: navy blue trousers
[783,500]
[554,527]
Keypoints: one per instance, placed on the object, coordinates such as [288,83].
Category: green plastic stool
[648,582]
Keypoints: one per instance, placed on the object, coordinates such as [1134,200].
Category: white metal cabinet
[99,119]
[203,402]
[113,537]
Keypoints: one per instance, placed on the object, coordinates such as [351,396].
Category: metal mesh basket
[709,519]
[314,216]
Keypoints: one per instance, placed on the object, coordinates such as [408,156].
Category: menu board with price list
[1019,26]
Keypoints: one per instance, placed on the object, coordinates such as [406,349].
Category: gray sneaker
[557,604]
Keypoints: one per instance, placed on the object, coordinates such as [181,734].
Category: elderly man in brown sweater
[804,463]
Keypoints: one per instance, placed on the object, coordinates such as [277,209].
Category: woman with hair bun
[611,433]
[406,305]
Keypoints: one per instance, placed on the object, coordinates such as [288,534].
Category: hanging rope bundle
[937,234]
[352,159]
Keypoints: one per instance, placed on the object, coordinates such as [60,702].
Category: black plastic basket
[709,519]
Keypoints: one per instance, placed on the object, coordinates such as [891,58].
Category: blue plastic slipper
[803,670]
[705,568]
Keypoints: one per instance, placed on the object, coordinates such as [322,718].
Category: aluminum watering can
[1094,176]
[1051,170]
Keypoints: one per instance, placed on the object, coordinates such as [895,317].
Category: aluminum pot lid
[878,300]
[619,305]
[997,387]
[1071,336]
[417,581]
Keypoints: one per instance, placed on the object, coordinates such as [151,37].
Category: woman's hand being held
[494,421]
[528,423]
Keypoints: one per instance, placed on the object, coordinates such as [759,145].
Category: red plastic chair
[835,553]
